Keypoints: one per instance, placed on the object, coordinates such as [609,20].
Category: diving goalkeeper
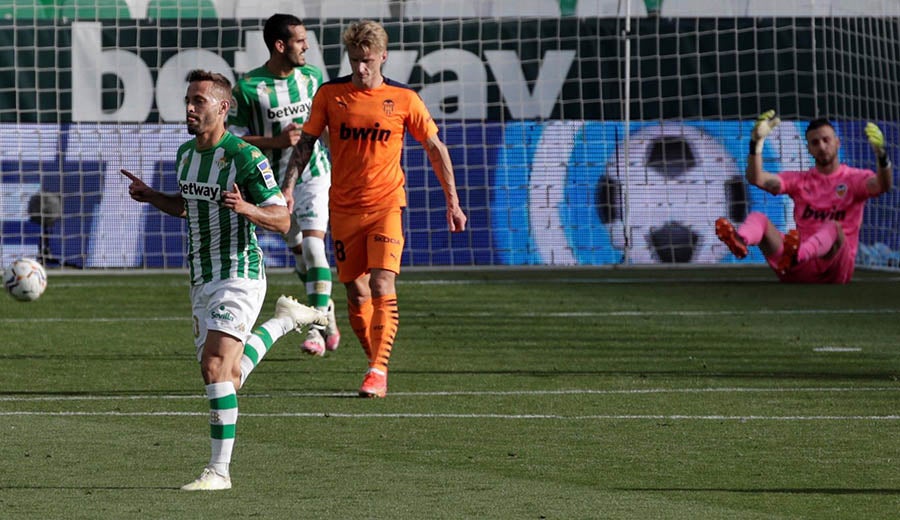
[829,199]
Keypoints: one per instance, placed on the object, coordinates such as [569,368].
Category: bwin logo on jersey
[201,191]
[267,174]
[375,133]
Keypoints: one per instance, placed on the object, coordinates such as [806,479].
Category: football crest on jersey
[841,189]
[267,174]
[222,163]
[388,106]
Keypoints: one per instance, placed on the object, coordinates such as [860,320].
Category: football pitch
[513,394]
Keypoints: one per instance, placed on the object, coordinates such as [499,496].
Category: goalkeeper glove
[876,139]
[765,123]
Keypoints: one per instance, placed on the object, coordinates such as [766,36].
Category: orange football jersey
[366,129]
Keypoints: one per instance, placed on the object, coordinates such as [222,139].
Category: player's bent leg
[790,246]
[318,289]
[332,333]
[821,244]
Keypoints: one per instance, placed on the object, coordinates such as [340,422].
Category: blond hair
[367,35]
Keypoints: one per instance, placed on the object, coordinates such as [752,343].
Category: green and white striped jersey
[266,104]
[221,243]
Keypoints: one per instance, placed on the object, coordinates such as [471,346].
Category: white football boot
[332,334]
[208,480]
[300,314]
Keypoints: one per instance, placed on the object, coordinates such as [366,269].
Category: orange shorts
[366,241]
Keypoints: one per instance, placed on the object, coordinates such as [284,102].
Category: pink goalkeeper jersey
[818,198]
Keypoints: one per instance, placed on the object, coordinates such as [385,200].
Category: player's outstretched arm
[173,204]
[765,123]
[884,180]
[443,169]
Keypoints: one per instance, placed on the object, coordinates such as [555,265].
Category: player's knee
[314,252]
[839,240]
[382,282]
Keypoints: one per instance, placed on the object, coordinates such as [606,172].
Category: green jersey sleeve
[255,176]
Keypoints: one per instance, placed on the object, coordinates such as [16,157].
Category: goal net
[583,132]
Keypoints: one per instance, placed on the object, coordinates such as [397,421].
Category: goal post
[582,133]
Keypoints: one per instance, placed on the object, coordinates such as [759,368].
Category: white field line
[601,417]
[524,315]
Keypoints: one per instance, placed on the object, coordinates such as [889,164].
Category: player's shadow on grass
[783,491]
[91,488]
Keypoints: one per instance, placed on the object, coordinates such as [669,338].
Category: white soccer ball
[25,279]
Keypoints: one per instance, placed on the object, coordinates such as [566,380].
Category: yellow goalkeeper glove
[765,123]
[876,139]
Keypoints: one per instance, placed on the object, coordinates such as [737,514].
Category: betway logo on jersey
[288,111]
[364,134]
[201,191]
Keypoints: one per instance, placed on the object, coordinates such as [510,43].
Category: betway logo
[823,215]
[525,93]
[201,191]
[288,111]
[364,134]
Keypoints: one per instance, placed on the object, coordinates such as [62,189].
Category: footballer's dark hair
[221,84]
[278,27]
[816,124]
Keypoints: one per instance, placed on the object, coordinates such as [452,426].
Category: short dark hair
[816,124]
[220,83]
[278,27]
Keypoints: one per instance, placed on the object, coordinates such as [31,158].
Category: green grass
[531,394]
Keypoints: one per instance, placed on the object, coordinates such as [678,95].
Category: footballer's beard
[297,60]
[193,125]
[825,159]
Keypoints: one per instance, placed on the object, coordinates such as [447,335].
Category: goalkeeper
[829,199]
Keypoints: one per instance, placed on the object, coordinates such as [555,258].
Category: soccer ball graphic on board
[680,180]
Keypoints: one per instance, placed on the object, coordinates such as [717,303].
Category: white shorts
[230,306]
[310,208]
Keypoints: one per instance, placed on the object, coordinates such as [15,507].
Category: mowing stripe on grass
[344,415]
[574,391]
[526,315]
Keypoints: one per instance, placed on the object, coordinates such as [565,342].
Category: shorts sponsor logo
[221,314]
[389,240]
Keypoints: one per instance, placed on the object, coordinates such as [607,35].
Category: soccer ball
[25,279]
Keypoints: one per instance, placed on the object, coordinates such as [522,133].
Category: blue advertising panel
[536,193]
